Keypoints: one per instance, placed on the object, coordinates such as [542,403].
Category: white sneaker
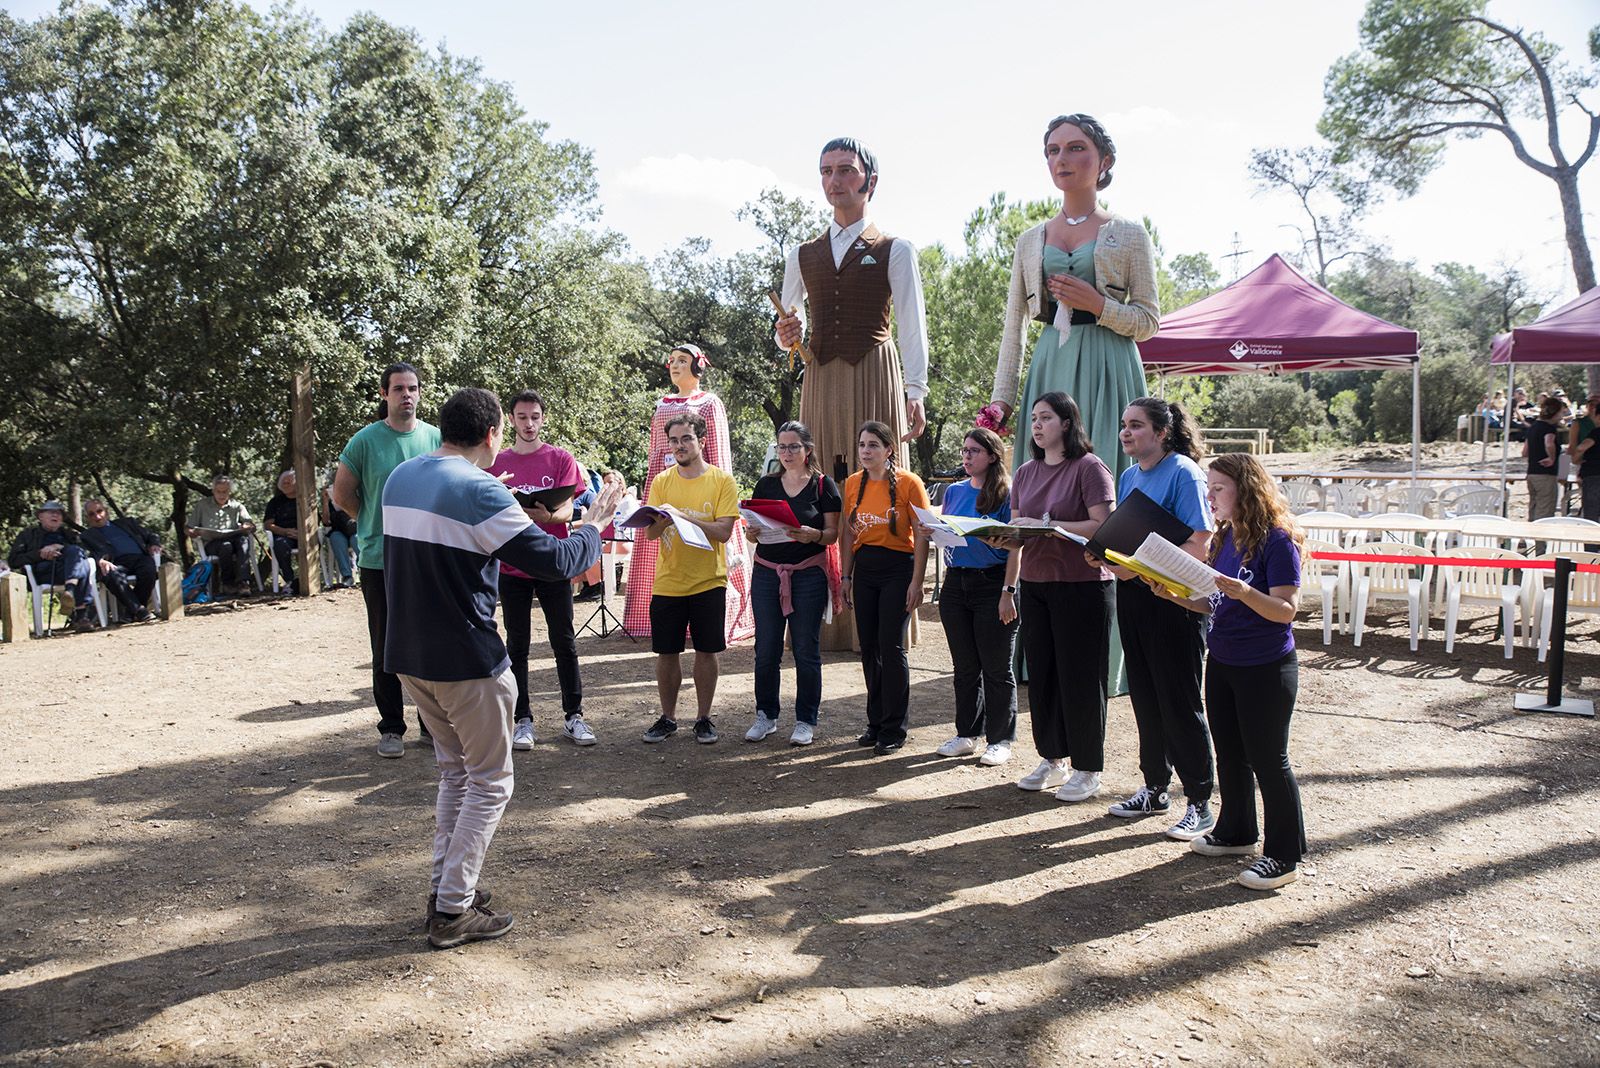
[1047,776]
[522,738]
[1080,786]
[802,734]
[995,755]
[958,746]
[761,728]
[576,729]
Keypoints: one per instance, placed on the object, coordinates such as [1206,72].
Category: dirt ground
[205,863]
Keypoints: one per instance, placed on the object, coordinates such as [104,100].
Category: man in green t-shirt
[364,466]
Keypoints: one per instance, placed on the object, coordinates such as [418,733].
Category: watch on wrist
[1008,589]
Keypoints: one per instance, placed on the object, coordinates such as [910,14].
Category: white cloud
[660,201]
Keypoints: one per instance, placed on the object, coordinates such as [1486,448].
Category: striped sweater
[446,526]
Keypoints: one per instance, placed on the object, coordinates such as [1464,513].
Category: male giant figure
[856,280]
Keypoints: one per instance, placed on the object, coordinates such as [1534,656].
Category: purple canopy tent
[1275,319]
[1570,334]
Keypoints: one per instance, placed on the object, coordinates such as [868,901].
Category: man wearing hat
[58,559]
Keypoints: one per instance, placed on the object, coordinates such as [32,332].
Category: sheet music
[1161,555]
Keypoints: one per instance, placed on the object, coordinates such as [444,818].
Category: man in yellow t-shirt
[691,583]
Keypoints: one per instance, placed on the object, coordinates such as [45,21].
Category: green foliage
[1343,411]
[1452,383]
[1294,416]
[1186,279]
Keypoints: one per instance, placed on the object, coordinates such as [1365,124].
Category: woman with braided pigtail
[883,559]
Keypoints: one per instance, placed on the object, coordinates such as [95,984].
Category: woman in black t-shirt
[791,584]
[1539,446]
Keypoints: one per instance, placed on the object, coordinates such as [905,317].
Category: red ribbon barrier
[1453,561]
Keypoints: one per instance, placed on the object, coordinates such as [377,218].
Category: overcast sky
[692,108]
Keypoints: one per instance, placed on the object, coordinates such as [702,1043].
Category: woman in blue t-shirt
[978,609]
[1163,644]
[1252,675]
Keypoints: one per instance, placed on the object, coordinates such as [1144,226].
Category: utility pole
[1235,255]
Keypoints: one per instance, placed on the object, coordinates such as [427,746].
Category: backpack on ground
[197,582]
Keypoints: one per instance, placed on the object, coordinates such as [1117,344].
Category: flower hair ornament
[992,417]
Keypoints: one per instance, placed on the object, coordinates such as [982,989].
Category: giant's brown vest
[850,305]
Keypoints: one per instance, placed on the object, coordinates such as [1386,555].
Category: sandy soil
[206,864]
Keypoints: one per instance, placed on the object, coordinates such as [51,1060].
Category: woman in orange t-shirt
[883,559]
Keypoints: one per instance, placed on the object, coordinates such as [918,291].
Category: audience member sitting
[124,553]
[282,520]
[223,526]
[341,535]
[1521,411]
[57,559]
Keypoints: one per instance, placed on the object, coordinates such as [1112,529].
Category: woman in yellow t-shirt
[883,559]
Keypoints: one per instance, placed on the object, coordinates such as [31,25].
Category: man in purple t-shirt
[532,464]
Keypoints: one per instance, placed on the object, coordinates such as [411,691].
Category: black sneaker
[661,730]
[1197,820]
[1209,845]
[883,748]
[868,739]
[1268,874]
[1146,802]
[704,732]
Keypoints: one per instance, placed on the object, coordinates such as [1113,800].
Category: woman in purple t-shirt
[1251,671]
[1066,603]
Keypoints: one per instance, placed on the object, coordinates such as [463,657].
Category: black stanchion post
[1552,700]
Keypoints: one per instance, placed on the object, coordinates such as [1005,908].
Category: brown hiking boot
[473,925]
[480,896]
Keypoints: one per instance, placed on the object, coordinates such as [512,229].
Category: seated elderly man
[124,553]
[57,559]
[282,520]
[222,526]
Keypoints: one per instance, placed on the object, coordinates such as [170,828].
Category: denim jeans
[73,569]
[339,546]
[808,593]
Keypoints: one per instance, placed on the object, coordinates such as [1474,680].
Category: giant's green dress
[1101,370]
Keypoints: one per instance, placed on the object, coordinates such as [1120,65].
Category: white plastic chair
[1583,597]
[1473,500]
[1327,580]
[51,593]
[1303,495]
[247,559]
[1413,500]
[1482,584]
[1566,548]
[1328,527]
[111,609]
[1349,500]
[1374,580]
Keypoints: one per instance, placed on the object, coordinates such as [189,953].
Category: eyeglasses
[796,447]
[974,452]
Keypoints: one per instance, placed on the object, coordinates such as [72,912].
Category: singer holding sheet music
[1067,602]
[1163,644]
[884,561]
[793,582]
[1252,675]
[532,464]
[978,608]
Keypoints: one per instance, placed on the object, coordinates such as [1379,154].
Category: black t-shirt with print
[809,505]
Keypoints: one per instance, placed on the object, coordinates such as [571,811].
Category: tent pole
[1416,418]
[1505,447]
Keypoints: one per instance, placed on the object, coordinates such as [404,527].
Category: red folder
[777,511]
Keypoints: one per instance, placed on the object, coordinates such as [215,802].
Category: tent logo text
[1239,350]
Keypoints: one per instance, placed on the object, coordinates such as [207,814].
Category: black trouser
[516,610]
[882,578]
[284,550]
[1066,633]
[229,551]
[1164,647]
[1249,709]
[132,580]
[386,691]
[981,648]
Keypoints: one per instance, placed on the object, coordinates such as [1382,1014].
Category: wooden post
[308,494]
[170,578]
[15,611]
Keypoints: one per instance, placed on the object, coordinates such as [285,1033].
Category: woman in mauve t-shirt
[1066,604]
[1252,675]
